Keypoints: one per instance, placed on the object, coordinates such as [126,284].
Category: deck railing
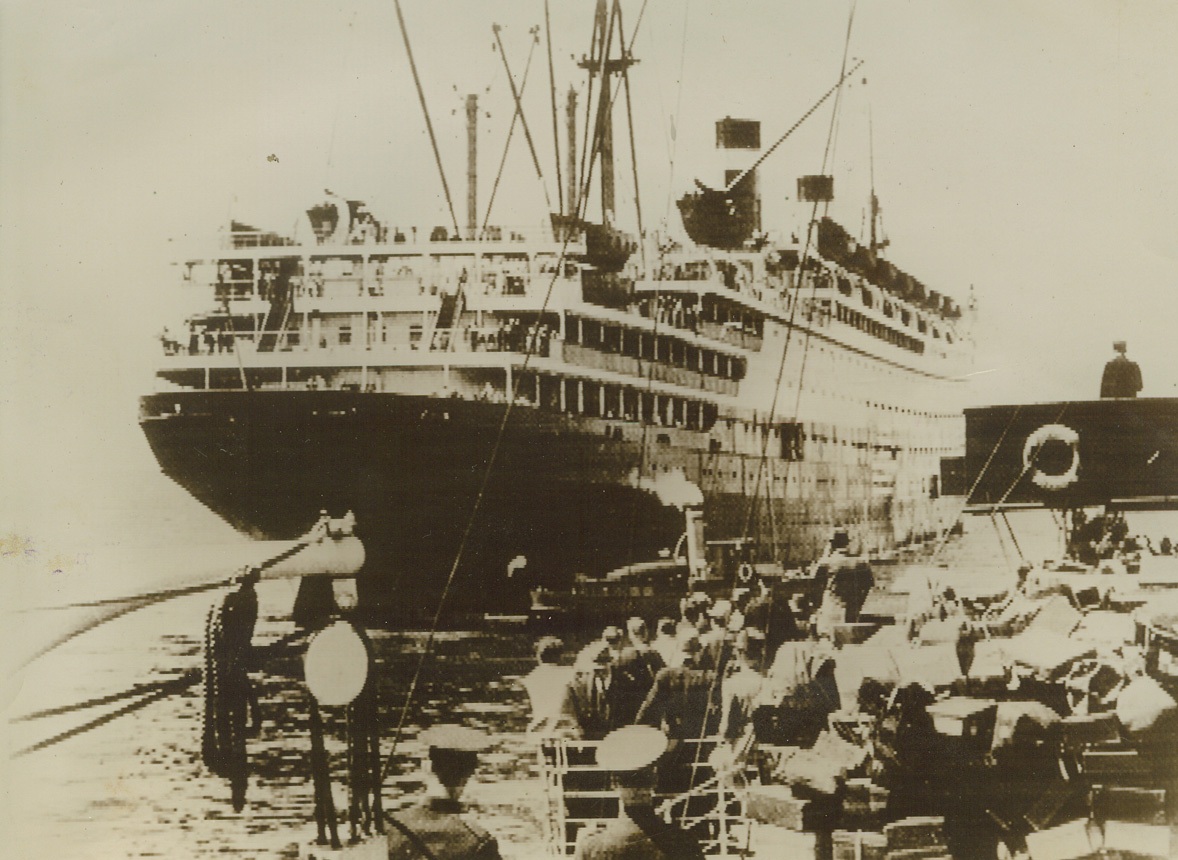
[580,798]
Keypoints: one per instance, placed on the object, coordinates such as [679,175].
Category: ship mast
[878,242]
[472,144]
[599,63]
[571,119]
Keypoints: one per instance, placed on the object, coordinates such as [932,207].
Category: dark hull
[1126,451]
[561,493]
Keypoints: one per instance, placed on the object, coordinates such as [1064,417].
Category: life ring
[1052,433]
[744,573]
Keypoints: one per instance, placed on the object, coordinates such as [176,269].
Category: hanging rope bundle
[364,759]
[229,695]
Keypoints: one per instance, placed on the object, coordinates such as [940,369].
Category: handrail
[510,236]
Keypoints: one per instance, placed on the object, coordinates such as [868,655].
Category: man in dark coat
[632,675]
[1122,377]
[771,613]
[685,700]
[638,833]
[435,829]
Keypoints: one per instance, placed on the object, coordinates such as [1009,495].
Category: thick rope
[229,695]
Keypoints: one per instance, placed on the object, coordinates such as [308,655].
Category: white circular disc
[336,664]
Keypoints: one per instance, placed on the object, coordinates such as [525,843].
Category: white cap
[631,748]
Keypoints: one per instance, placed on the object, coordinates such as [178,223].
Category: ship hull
[563,492]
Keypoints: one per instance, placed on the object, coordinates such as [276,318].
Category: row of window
[622,402]
[877,329]
[622,340]
[890,310]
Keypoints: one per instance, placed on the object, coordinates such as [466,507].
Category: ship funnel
[728,216]
[816,188]
[739,140]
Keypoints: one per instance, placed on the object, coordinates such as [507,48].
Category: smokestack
[472,184]
[571,114]
[738,141]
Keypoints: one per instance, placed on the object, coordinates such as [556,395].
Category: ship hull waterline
[563,494]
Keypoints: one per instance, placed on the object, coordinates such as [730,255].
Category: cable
[151,692]
[675,116]
[533,340]
[507,146]
[796,291]
[519,109]
[555,122]
[429,126]
[95,723]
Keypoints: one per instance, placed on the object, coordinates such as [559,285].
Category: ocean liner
[501,407]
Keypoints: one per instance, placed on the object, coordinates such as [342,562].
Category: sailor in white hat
[631,754]
[435,827]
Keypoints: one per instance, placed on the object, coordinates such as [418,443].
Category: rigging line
[793,127]
[634,164]
[555,121]
[675,116]
[613,98]
[1013,536]
[143,599]
[630,123]
[944,539]
[335,113]
[607,41]
[791,327]
[132,604]
[506,146]
[477,505]
[1030,464]
[429,126]
[184,590]
[826,156]
[1001,541]
[93,724]
[836,115]
[827,160]
[1018,478]
[180,682]
[188,678]
[519,108]
[649,372]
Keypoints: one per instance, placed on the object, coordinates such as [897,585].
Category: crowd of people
[732,667]
[752,676]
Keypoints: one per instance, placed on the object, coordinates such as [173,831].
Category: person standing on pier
[665,642]
[1122,377]
[435,827]
[638,833]
[633,675]
[550,691]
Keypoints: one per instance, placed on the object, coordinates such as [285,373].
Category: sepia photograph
[589,429]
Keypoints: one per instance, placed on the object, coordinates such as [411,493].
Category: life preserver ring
[744,573]
[1052,433]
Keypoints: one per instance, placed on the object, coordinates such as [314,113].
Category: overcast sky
[1025,149]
